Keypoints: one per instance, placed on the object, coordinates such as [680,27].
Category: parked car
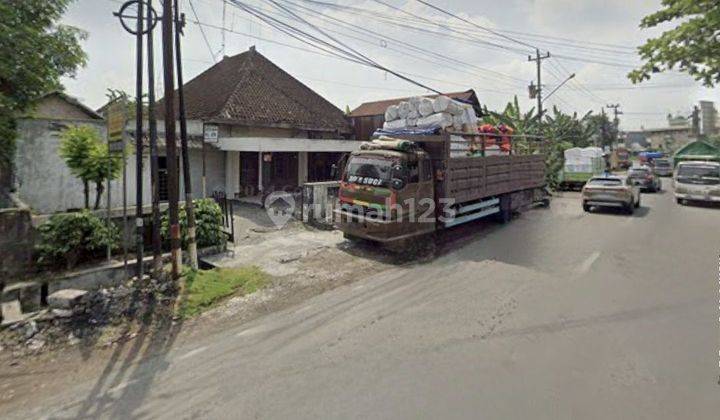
[663,167]
[611,191]
[645,178]
[697,181]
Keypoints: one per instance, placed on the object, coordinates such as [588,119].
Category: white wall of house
[45,183]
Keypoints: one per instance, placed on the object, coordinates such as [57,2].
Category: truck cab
[387,195]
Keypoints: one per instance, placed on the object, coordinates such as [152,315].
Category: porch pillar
[302,167]
[232,173]
[260,172]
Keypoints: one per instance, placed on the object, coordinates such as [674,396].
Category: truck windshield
[369,171]
[699,174]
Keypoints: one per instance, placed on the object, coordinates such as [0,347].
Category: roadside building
[41,178]
[665,138]
[698,150]
[275,132]
[370,116]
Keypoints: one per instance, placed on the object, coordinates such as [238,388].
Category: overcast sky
[589,38]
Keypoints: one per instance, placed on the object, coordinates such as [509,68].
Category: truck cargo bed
[476,177]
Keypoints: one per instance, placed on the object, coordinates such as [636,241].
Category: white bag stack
[445,104]
[395,125]
[441,119]
[425,107]
[391,113]
[442,112]
[404,109]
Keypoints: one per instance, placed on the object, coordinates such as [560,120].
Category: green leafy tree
[35,52]
[76,145]
[102,165]
[88,159]
[693,46]
[604,131]
[523,123]
[569,128]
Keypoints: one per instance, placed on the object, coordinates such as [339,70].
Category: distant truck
[581,164]
[395,191]
[621,157]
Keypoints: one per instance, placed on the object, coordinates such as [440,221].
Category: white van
[697,181]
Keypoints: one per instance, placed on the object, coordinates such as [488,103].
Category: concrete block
[29,294]
[66,299]
[10,312]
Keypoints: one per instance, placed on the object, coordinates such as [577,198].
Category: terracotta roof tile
[249,89]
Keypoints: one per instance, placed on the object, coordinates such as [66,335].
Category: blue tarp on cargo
[406,132]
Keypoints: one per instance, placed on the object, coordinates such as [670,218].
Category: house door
[282,170]
[248,173]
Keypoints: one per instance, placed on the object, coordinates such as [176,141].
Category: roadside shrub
[208,222]
[72,238]
[554,163]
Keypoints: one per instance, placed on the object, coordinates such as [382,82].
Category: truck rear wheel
[505,213]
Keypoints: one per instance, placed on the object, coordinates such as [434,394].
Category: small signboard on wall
[211,133]
[116,121]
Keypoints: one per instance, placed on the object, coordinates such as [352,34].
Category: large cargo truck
[395,191]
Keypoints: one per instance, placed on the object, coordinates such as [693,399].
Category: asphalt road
[557,315]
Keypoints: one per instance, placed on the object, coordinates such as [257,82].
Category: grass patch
[203,288]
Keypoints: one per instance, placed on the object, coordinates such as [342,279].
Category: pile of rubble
[80,317]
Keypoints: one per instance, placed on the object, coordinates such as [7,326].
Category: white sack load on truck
[425,107]
[441,113]
[391,113]
[441,119]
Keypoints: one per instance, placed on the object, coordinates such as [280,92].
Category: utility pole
[187,182]
[616,121]
[616,112]
[538,89]
[170,140]
[152,130]
[139,228]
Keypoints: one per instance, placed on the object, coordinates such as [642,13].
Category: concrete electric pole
[538,89]
[170,138]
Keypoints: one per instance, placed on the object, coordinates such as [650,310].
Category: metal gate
[228,221]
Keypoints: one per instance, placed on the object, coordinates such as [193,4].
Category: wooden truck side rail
[469,178]
[476,177]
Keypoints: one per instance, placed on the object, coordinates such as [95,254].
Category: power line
[382,38]
[207,43]
[352,54]
[476,25]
